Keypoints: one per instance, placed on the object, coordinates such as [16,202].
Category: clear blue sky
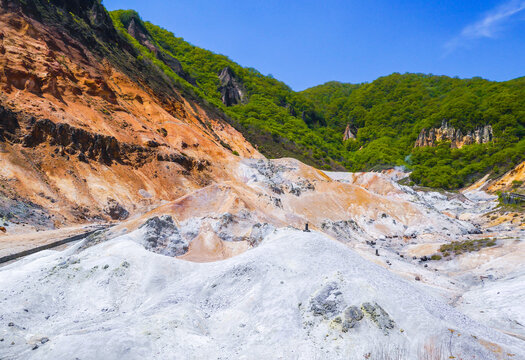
[305,43]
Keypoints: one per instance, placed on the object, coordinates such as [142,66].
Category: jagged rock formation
[349,133]
[231,88]
[138,31]
[430,137]
[71,141]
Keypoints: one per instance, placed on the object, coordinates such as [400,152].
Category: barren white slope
[116,300]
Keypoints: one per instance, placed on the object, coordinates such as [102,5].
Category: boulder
[378,316]
[352,315]
[328,301]
[116,211]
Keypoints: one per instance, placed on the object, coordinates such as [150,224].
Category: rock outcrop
[83,121]
[105,149]
[349,133]
[137,30]
[378,316]
[352,315]
[431,137]
[328,301]
[73,140]
[116,211]
[8,123]
[162,236]
[231,88]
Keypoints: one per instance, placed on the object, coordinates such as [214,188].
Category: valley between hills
[143,215]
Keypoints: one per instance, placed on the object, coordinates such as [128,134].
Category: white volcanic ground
[226,273]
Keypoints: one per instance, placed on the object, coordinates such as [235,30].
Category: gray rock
[232,89]
[327,302]
[259,232]
[352,315]
[343,230]
[378,316]
[163,237]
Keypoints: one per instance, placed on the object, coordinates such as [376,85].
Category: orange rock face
[514,180]
[81,133]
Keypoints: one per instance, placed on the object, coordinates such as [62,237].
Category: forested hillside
[387,115]
[390,112]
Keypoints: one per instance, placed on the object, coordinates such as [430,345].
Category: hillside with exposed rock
[140,217]
[90,133]
[431,137]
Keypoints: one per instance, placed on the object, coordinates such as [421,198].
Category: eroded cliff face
[512,181]
[349,133]
[79,133]
[430,137]
[231,88]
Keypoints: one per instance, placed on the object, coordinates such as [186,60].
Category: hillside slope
[88,132]
[386,116]
[191,242]
[276,301]
[225,270]
[389,114]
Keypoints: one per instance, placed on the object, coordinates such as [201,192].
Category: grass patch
[460,247]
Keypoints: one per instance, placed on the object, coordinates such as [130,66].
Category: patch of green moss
[460,247]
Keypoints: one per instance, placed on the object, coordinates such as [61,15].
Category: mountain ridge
[309,125]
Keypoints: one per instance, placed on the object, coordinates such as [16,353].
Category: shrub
[459,247]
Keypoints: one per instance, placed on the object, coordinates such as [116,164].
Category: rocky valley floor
[227,272]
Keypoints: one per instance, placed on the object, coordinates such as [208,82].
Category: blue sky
[305,43]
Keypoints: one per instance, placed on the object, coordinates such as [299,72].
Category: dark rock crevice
[9,125]
[103,148]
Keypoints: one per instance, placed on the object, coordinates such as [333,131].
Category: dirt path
[44,241]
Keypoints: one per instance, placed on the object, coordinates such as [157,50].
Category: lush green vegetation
[389,113]
[460,247]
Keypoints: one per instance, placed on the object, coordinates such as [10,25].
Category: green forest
[388,114]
